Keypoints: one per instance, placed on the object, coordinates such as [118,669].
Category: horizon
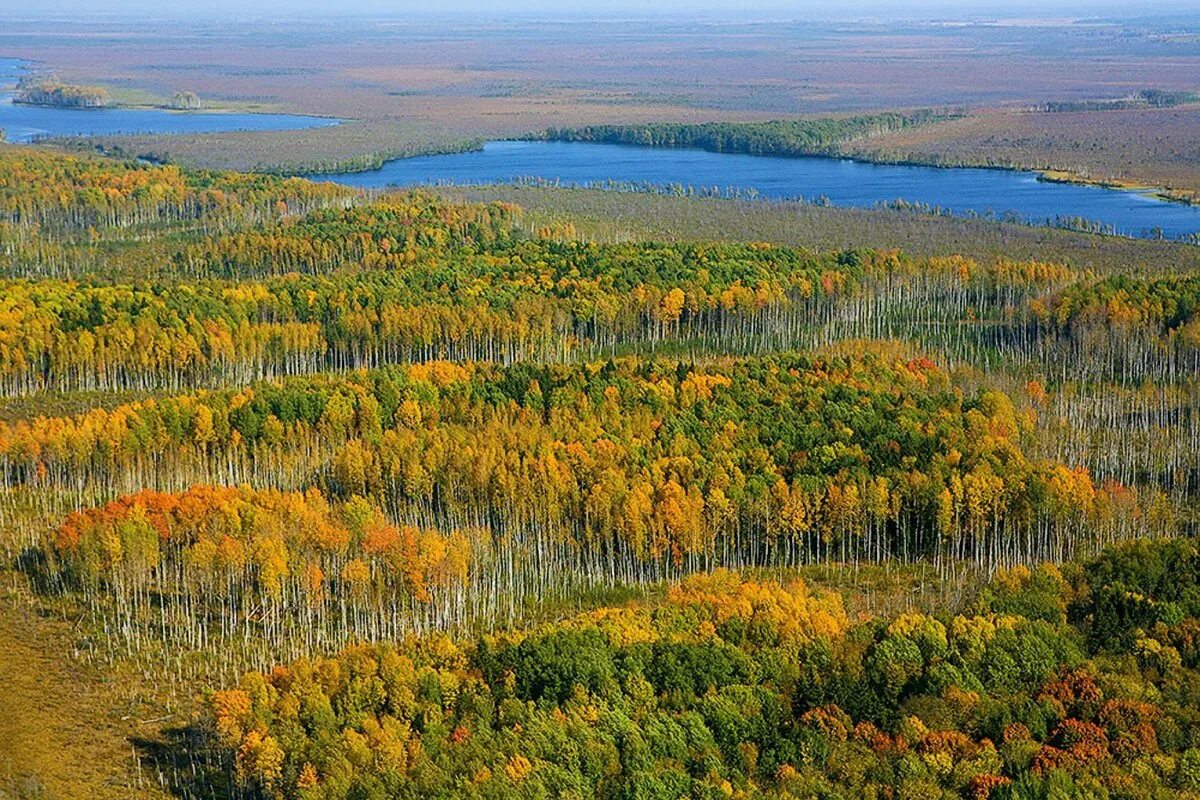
[753,10]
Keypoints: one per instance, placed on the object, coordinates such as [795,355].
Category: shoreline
[223,110]
[1187,197]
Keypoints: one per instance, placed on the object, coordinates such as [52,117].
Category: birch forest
[388,495]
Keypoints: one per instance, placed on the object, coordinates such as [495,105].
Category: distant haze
[89,9]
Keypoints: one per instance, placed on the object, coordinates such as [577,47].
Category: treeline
[1147,98]
[540,300]
[411,289]
[625,472]
[1125,328]
[218,567]
[233,230]
[1142,434]
[388,234]
[426,296]
[372,161]
[46,194]
[1168,307]
[49,91]
[796,137]
[1077,682]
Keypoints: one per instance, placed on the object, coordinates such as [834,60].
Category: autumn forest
[394,494]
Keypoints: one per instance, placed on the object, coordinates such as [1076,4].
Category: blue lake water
[842,181]
[22,123]
[999,193]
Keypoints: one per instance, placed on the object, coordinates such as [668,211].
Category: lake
[23,123]
[842,181]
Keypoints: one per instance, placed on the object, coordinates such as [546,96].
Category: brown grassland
[1140,147]
[410,86]
[68,728]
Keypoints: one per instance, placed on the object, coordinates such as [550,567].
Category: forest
[806,137]
[406,494]
[756,688]
[49,91]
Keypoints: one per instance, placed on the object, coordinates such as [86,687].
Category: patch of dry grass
[67,729]
[1156,147]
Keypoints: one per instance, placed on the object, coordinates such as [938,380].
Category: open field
[68,729]
[1155,147]
[419,84]
[450,68]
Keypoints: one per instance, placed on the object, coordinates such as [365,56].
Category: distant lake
[23,123]
[842,181]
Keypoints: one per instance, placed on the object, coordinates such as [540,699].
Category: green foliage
[1166,307]
[632,701]
[1138,586]
[818,136]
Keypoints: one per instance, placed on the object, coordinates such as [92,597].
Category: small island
[185,101]
[49,91]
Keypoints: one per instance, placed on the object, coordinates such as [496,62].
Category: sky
[950,9]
